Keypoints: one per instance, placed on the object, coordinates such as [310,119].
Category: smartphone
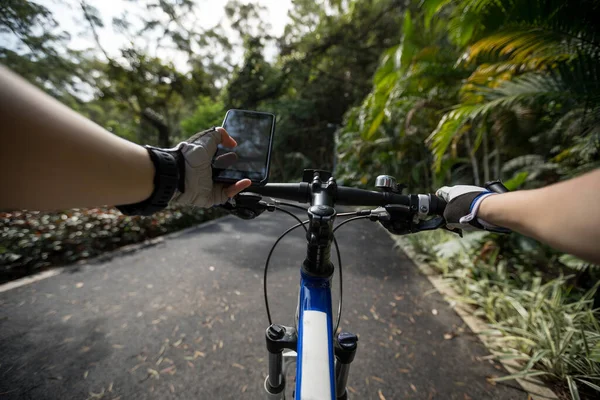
[251,158]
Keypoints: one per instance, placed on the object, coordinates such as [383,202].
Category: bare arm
[53,158]
[565,215]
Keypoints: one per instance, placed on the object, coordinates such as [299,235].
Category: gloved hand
[194,157]
[463,203]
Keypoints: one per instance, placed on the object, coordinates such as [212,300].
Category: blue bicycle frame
[315,367]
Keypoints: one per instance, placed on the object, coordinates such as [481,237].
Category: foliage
[542,320]
[209,112]
[544,59]
[155,93]
[33,46]
[32,240]
[254,82]
[481,82]
[415,81]
[325,70]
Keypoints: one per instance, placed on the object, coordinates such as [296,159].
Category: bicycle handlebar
[343,195]
[398,213]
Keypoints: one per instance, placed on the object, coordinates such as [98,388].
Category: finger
[200,138]
[444,193]
[225,160]
[227,140]
[237,187]
[208,139]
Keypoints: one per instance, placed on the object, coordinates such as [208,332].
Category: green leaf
[516,181]
[573,388]
[375,125]
[431,8]
[407,49]
[590,384]
[447,129]
[522,374]
[387,66]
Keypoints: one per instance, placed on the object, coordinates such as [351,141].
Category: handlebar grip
[437,205]
[353,196]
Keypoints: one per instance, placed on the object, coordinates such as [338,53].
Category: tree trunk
[474,165]
[156,121]
[486,158]
[497,170]
[427,171]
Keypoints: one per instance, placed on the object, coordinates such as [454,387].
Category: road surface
[185,320]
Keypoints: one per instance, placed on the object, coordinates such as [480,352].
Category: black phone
[251,158]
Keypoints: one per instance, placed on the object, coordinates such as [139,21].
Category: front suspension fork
[280,338]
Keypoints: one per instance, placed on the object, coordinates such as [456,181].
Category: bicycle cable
[283,203]
[293,216]
[339,257]
[267,267]
[339,316]
[349,220]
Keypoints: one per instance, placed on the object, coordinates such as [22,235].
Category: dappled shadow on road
[52,357]
[248,241]
[185,319]
[356,239]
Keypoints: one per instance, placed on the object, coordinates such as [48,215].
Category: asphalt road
[185,320]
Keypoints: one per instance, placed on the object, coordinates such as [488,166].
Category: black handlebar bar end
[496,186]
[437,205]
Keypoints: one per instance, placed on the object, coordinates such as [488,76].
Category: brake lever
[437,223]
[431,224]
[398,219]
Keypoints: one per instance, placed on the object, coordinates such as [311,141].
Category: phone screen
[253,132]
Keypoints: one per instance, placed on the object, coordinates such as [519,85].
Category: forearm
[53,158]
[565,215]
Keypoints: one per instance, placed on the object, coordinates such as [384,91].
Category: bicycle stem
[321,216]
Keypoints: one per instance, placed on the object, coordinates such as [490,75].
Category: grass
[546,319]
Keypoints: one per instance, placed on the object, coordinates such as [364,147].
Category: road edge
[535,388]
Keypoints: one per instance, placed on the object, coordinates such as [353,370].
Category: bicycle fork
[280,338]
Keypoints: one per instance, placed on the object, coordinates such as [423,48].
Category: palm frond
[447,130]
[531,168]
[528,87]
[577,82]
[521,162]
[568,125]
[535,47]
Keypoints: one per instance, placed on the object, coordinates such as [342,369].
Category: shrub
[31,241]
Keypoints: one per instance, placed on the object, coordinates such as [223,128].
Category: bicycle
[322,360]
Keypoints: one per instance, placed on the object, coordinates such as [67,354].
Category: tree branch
[88,18]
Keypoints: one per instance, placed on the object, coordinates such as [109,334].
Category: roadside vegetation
[32,241]
[544,316]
